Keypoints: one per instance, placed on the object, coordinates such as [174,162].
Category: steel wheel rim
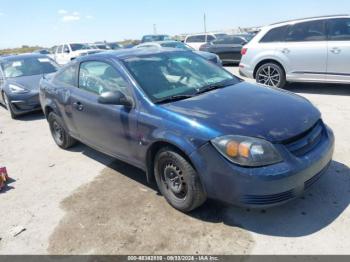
[269,75]
[173,180]
[57,132]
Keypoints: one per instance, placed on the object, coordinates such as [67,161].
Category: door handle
[285,51]
[336,50]
[79,106]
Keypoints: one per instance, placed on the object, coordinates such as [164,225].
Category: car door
[66,54]
[304,51]
[338,69]
[58,55]
[227,48]
[109,128]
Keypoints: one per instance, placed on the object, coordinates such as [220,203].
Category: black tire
[59,133]
[9,106]
[185,192]
[271,74]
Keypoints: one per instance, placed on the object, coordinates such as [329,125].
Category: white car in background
[197,40]
[313,49]
[67,52]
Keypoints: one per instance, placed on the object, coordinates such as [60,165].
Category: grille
[305,142]
[268,199]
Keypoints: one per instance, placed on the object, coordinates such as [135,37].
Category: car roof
[21,56]
[128,53]
[306,19]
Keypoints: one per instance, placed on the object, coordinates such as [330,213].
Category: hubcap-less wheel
[57,132]
[174,181]
[269,75]
[177,180]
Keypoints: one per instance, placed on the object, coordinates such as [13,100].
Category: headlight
[17,89]
[247,151]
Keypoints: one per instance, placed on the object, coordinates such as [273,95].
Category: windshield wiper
[172,98]
[219,85]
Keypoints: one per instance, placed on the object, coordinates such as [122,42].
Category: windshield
[28,67]
[166,75]
[178,45]
[76,47]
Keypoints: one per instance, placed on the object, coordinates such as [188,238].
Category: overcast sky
[49,22]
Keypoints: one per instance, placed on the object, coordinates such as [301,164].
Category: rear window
[275,35]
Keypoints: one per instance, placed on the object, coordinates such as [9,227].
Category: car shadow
[34,116]
[319,89]
[315,210]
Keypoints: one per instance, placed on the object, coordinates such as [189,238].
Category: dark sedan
[19,81]
[196,129]
[228,48]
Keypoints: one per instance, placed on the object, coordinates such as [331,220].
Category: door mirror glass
[115,98]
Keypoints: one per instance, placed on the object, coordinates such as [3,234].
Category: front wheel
[177,180]
[9,106]
[58,132]
[271,74]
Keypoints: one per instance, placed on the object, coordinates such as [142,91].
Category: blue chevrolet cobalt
[196,129]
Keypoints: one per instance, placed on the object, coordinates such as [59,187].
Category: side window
[196,39]
[209,38]
[307,31]
[339,29]
[67,75]
[99,77]
[59,49]
[274,35]
[66,49]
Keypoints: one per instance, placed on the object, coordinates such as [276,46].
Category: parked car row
[306,50]
[196,129]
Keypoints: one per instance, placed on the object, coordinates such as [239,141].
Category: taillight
[244,51]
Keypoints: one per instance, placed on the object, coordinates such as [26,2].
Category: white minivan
[305,50]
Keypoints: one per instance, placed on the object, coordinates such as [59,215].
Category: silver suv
[306,50]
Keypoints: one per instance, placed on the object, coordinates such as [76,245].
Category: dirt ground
[83,202]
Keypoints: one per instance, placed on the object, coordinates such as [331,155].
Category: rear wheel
[178,181]
[271,74]
[9,106]
[58,132]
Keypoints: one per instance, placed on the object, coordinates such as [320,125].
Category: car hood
[28,82]
[249,110]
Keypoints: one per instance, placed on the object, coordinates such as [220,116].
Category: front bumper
[263,186]
[25,103]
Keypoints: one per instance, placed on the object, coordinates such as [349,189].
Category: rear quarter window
[275,35]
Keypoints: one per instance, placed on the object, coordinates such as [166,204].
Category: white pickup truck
[67,52]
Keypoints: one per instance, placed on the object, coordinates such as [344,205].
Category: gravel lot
[81,201]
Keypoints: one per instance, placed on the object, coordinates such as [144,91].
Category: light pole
[205,27]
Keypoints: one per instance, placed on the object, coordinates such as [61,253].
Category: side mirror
[66,51]
[115,98]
